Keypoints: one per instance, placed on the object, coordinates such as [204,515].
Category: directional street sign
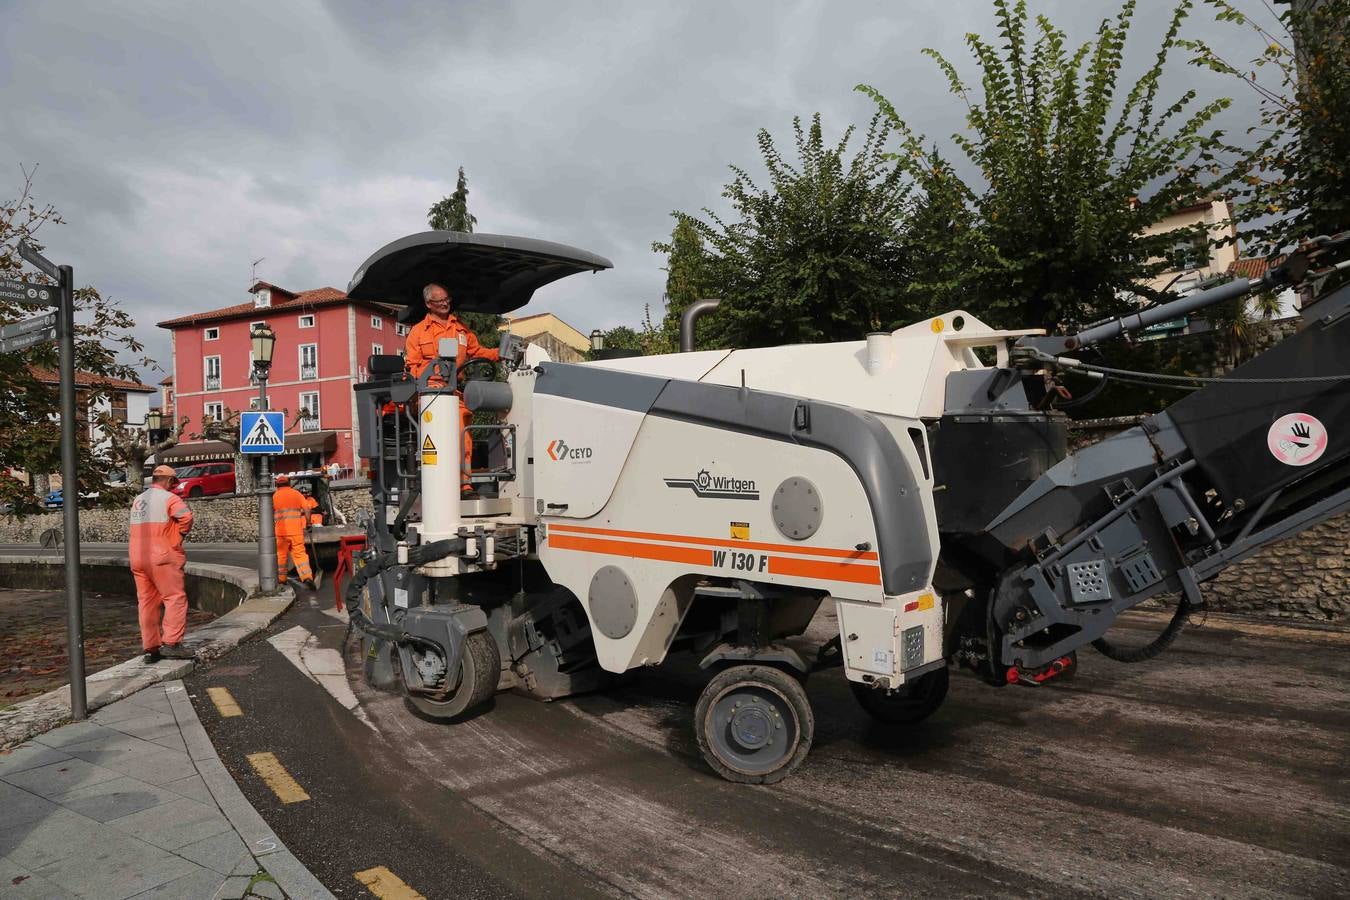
[27,339]
[23,292]
[37,323]
[261,432]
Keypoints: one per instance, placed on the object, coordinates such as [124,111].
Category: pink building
[323,342]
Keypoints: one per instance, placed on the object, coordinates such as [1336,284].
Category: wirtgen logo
[561,451]
[721,487]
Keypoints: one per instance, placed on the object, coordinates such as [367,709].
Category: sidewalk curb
[30,718]
[271,854]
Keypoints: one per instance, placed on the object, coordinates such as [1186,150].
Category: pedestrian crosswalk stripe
[270,770]
[386,885]
[225,702]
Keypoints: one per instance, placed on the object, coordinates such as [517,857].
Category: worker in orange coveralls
[423,347]
[290,512]
[159,519]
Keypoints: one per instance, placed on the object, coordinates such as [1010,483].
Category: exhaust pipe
[692,314]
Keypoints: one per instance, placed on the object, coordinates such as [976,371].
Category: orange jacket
[425,337]
[159,519]
[290,510]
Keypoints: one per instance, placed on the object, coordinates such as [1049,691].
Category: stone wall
[215,519]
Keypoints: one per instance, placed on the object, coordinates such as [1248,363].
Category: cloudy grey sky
[183,140]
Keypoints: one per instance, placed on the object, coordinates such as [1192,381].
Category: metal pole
[70,496]
[267,540]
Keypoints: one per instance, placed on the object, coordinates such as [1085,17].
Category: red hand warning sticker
[1297,439]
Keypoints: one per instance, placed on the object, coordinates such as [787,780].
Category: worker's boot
[176,651]
[150,657]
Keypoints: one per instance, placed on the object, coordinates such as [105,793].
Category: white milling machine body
[711,501]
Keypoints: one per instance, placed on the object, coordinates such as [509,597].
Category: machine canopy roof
[491,273]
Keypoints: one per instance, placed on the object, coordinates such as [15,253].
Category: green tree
[686,280]
[1298,184]
[817,254]
[29,436]
[1071,175]
[452,213]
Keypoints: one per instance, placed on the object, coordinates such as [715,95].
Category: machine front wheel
[913,701]
[480,668]
[754,724]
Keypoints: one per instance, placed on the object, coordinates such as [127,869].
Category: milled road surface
[1217,769]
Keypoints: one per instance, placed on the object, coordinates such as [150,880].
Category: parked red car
[205,479]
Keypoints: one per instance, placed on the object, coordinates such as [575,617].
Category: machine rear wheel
[754,724]
[480,669]
[913,701]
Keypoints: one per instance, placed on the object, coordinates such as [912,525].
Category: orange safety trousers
[159,520]
[292,546]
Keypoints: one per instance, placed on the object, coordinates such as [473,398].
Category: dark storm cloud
[184,141]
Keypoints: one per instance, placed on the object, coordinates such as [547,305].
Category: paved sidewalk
[134,802]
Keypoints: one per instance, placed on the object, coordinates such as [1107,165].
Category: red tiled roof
[319,297]
[168,380]
[89,379]
[1253,267]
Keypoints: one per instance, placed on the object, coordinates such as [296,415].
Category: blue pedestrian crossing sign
[261,432]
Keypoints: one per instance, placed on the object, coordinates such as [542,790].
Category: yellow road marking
[386,885]
[270,770]
[224,701]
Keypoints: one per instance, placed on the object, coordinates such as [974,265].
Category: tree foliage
[1298,183]
[1072,173]
[30,436]
[452,213]
[816,254]
[686,281]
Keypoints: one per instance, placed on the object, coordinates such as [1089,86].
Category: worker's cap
[164,472]
[282,479]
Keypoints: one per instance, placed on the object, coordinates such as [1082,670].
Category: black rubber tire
[771,697]
[913,701]
[480,668]
[195,493]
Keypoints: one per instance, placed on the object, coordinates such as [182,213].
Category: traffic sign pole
[70,471]
[70,496]
[267,540]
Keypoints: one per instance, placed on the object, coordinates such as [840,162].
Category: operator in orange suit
[423,347]
[290,512]
[159,519]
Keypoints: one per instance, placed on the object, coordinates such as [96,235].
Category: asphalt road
[1217,769]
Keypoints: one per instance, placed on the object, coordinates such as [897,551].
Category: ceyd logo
[721,487]
[560,451]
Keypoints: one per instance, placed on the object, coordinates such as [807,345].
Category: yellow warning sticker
[428,451]
[740,531]
[938,325]
[428,445]
[426,416]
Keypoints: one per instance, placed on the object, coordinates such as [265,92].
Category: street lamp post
[264,340]
[597,340]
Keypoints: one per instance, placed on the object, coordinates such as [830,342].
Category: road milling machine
[711,501]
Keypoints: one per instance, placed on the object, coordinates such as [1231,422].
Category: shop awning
[311,442]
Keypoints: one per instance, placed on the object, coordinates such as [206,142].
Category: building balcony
[309,373]
[309,424]
[213,384]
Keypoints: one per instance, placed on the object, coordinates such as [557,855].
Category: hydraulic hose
[1154,647]
[417,556]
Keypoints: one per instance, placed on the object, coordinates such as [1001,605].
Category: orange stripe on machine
[720,542]
[824,571]
[625,548]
